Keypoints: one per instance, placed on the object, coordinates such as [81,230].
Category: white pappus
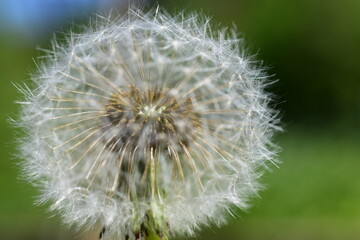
[147,124]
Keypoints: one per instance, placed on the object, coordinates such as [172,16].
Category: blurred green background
[313,48]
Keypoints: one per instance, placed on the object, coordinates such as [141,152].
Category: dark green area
[313,48]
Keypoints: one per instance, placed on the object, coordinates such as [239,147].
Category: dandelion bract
[147,123]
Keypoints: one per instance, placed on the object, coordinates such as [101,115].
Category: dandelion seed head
[148,122]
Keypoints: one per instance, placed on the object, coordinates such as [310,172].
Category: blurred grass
[14,67]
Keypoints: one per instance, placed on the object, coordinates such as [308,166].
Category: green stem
[153,236]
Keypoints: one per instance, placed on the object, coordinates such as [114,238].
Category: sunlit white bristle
[148,123]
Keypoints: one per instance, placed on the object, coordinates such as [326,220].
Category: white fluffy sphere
[149,123]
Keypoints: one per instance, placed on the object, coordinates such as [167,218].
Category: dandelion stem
[153,236]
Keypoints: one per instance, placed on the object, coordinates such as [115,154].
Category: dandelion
[147,125]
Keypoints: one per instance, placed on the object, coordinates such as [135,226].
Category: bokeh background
[312,47]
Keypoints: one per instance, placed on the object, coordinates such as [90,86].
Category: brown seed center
[150,119]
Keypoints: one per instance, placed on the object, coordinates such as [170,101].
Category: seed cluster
[153,119]
[144,125]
